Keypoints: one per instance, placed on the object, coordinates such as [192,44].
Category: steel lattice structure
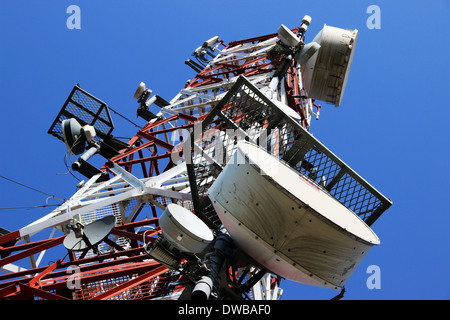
[161,164]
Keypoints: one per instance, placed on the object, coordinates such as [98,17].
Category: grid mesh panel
[245,113]
[158,286]
[86,109]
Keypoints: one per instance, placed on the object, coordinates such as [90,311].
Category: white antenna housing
[211,42]
[286,223]
[139,91]
[184,229]
[306,20]
[287,37]
[89,132]
[325,74]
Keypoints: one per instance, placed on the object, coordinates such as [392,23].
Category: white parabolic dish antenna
[184,229]
[325,74]
[72,136]
[93,233]
[287,37]
[286,223]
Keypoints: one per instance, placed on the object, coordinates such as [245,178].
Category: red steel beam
[131,283]
[34,282]
[87,274]
[8,290]
[22,291]
[149,137]
[20,247]
[9,237]
[137,224]
[44,246]
[136,236]
[40,293]
[40,245]
[134,256]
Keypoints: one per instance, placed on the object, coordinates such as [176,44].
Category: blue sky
[392,126]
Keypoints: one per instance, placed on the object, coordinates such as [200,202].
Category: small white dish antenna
[184,230]
[287,37]
[90,235]
[139,91]
[73,136]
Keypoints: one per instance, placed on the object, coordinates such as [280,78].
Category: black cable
[32,188]
[67,167]
[32,207]
[69,170]
[340,295]
[124,117]
[69,250]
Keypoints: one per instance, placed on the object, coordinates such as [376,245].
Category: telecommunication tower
[222,194]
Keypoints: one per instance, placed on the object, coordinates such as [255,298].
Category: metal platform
[246,113]
[86,109]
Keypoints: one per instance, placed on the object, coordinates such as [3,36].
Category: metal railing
[246,113]
[86,109]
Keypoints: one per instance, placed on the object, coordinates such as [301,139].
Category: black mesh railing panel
[86,109]
[246,113]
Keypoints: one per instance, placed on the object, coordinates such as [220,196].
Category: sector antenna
[223,193]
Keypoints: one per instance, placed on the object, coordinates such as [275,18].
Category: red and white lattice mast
[263,91]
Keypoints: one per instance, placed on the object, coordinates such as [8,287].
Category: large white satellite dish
[326,72]
[286,223]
